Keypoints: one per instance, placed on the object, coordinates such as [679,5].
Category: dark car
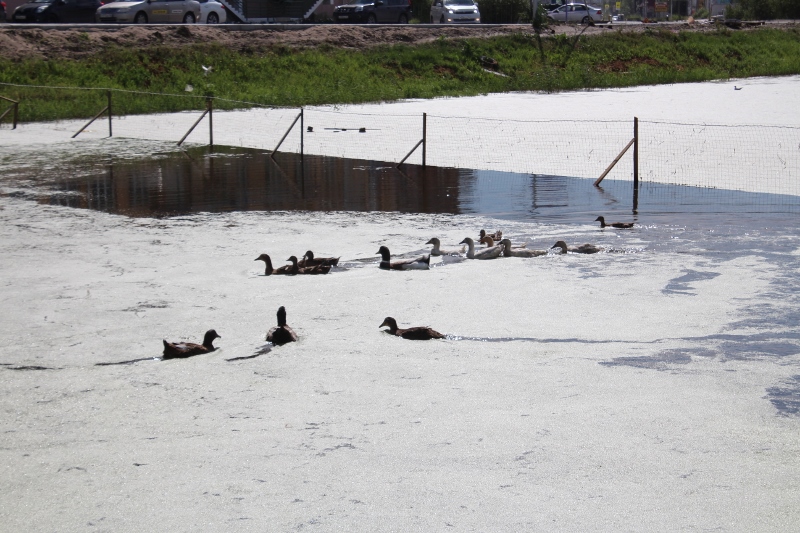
[56,11]
[373,12]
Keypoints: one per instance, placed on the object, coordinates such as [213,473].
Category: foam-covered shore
[590,392]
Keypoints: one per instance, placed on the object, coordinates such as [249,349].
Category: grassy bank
[280,76]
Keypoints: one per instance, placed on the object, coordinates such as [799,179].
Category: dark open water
[169,183]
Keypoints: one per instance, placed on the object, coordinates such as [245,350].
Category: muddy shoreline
[19,42]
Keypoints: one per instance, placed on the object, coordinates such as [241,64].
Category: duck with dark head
[417,263]
[282,333]
[175,350]
[617,225]
[417,333]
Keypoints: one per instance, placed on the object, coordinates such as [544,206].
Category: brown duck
[282,333]
[295,268]
[497,235]
[618,225]
[419,333]
[187,349]
[268,271]
[309,260]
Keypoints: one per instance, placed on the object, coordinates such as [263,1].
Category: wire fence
[752,158]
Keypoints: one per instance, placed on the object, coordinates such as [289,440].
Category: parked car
[153,11]
[56,11]
[576,13]
[372,12]
[212,12]
[455,12]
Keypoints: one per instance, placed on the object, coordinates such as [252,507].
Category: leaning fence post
[14,106]
[635,152]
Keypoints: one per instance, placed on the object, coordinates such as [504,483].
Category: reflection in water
[236,179]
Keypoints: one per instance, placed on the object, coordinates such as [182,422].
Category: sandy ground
[18,42]
[655,390]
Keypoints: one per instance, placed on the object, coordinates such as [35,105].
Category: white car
[149,11]
[455,12]
[212,12]
[582,13]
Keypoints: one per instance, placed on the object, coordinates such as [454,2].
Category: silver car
[582,13]
[150,11]
[455,12]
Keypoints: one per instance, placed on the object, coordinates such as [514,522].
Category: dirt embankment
[75,43]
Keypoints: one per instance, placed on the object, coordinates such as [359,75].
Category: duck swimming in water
[174,350]
[268,271]
[418,333]
[309,260]
[282,333]
[497,235]
[508,251]
[437,251]
[618,225]
[417,263]
[582,249]
[484,253]
[295,269]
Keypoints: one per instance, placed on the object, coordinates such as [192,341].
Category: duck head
[281,316]
[390,322]
[309,255]
[488,241]
[384,253]
[208,339]
[435,241]
[561,245]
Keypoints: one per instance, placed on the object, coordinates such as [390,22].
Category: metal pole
[110,132]
[210,107]
[302,155]
[424,139]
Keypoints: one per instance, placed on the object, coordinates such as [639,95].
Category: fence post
[109,114]
[210,107]
[635,152]
[424,138]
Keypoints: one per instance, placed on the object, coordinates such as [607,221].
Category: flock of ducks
[309,264]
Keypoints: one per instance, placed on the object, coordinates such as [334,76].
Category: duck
[437,251]
[508,251]
[618,225]
[309,260]
[582,249]
[268,271]
[484,253]
[497,235]
[295,269]
[417,263]
[282,333]
[174,350]
[418,333]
